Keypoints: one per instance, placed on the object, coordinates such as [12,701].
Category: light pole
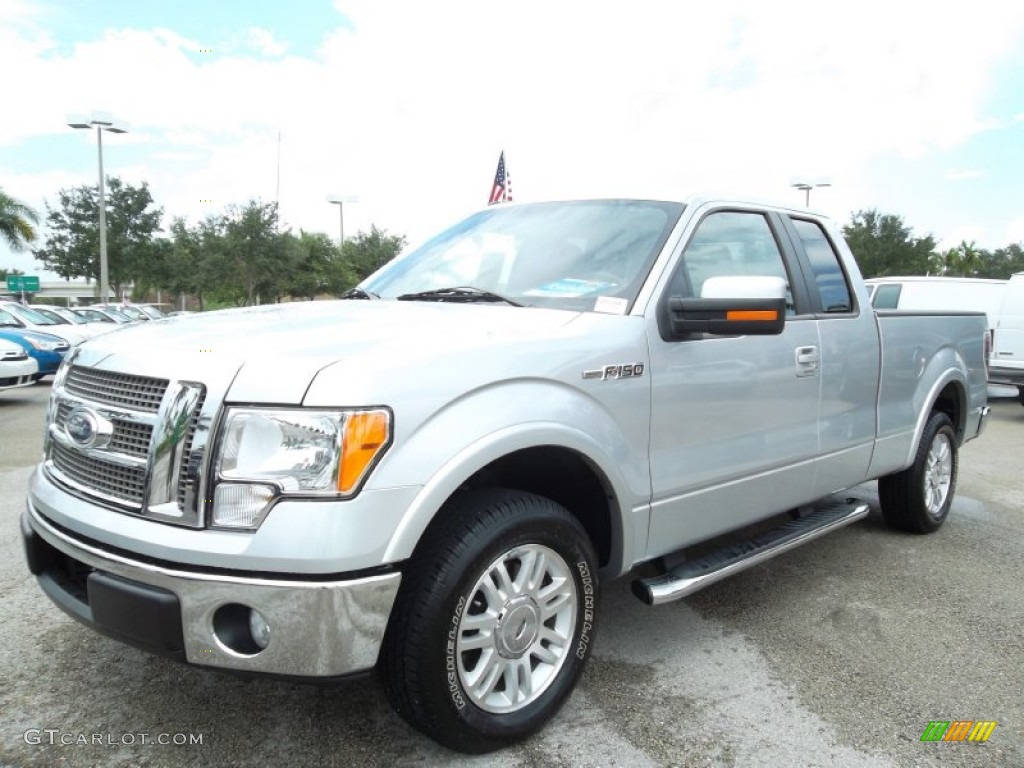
[102,122]
[340,200]
[807,186]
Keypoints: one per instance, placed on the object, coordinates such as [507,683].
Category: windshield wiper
[463,293]
[359,293]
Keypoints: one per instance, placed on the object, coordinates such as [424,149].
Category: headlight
[46,346]
[266,453]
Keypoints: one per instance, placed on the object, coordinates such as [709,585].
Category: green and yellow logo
[958,730]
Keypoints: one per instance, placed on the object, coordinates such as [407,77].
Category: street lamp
[102,122]
[806,186]
[340,200]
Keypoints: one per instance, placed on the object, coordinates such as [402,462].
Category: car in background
[46,349]
[1007,362]
[17,369]
[63,316]
[101,315]
[14,315]
[133,311]
[153,310]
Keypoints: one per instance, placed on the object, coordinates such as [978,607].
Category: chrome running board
[693,575]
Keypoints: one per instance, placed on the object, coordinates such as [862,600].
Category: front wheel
[918,498]
[494,620]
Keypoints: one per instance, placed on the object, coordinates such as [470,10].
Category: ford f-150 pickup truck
[432,477]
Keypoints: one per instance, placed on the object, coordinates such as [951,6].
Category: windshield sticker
[568,287]
[612,305]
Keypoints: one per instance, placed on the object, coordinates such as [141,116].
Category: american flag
[501,192]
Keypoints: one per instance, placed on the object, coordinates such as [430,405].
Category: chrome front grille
[124,484]
[139,393]
[132,443]
[130,437]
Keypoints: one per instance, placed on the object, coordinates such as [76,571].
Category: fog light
[259,628]
[241,629]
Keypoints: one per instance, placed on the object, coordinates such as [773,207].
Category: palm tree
[17,222]
[969,259]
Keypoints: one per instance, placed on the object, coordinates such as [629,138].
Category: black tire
[427,670]
[918,498]
[1020,395]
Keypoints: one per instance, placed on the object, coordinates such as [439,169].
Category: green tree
[72,245]
[884,245]
[965,260]
[17,223]
[367,252]
[1002,262]
[251,254]
[5,272]
[312,257]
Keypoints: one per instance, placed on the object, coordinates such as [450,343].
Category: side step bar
[692,576]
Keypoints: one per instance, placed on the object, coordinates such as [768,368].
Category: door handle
[807,361]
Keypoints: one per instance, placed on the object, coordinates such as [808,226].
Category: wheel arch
[948,395]
[549,461]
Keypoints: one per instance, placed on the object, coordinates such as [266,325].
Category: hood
[16,334]
[279,348]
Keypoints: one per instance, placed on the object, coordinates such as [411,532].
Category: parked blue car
[45,349]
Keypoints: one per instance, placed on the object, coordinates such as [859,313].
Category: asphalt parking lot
[836,654]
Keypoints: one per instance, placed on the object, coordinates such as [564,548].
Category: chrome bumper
[317,628]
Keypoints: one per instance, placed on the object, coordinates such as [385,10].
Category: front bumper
[319,627]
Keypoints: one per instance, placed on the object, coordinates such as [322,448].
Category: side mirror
[732,306]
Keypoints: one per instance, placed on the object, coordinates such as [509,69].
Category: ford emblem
[84,425]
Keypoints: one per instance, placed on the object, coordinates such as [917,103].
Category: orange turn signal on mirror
[751,314]
[367,434]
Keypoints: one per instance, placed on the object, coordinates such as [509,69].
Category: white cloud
[409,107]
[966,233]
[263,42]
[1015,231]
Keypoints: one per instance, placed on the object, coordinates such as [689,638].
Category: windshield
[92,316]
[68,315]
[583,255]
[49,313]
[9,320]
[153,312]
[133,312]
[36,318]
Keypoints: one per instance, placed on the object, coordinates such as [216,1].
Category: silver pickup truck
[432,477]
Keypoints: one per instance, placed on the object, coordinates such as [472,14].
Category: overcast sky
[914,108]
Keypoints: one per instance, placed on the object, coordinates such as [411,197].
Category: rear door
[850,359]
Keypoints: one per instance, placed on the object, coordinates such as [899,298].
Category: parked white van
[964,294]
[941,294]
[1006,365]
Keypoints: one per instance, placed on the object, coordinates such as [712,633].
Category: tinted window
[731,243]
[828,274]
[887,296]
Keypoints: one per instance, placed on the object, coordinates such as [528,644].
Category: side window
[887,296]
[829,278]
[731,243]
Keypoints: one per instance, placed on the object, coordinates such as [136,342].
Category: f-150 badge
[626,371]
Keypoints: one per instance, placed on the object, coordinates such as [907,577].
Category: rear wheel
[494,621]
[918,498]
